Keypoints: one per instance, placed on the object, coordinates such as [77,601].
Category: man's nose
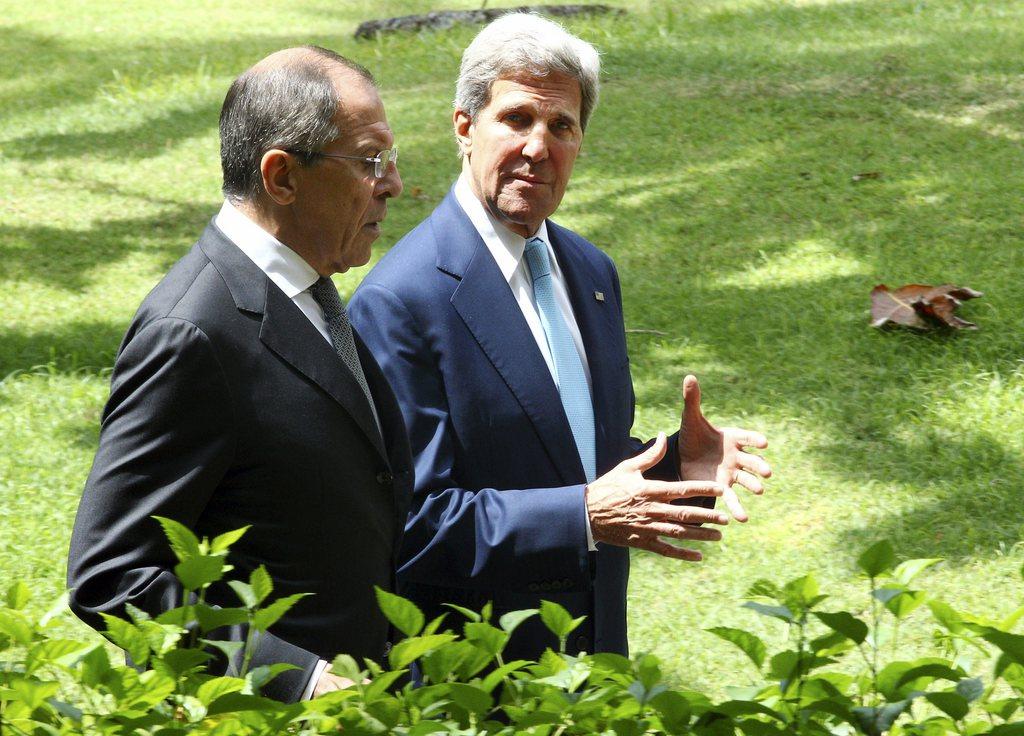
[390,185]
[535,147]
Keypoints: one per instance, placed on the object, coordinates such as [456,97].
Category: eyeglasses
[380,161]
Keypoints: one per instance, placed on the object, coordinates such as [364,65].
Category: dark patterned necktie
[340,329]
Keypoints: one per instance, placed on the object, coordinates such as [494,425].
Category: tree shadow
[75,346]
[67,258]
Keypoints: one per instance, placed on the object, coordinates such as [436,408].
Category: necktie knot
[537,258]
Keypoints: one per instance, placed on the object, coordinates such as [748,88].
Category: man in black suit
[240,395]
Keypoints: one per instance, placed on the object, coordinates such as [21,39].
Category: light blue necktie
[572,381]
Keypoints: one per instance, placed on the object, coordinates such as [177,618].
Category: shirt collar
[283,266]
[506,246]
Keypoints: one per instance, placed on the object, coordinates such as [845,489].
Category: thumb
[691,399]
[652,455]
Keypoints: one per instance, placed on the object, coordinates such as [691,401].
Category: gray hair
[287,101]
[525,43]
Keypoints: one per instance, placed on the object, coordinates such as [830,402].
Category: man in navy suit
[502,336]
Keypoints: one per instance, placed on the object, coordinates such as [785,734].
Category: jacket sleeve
[167,439]
[476,538]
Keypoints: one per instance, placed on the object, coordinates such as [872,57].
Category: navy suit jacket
[498,508]
[228,408]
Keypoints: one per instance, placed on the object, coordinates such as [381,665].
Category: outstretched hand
[709,453]
[628,510]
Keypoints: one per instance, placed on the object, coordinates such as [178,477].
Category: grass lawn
[717,172]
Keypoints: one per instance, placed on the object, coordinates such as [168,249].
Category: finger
[691,400]
[649,457]
[665,549]
[732,502]
[687,514]
[750,481]
[665,490]
[754,464]
[746,438]
[684,531]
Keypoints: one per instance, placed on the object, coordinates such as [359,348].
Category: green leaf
[268,616]
[674,711]
[260,676]
[223,542]
[199,571]
[470,614]
[1010,621]
[18,595]
[211,618]
[54,651]
[177,662]
[846,624]
[511,620]
[557,619]
[910,569]
[486,637]
[947,616]
[782,613]
[472,698]
[14,625]
[403,614]
[1012,645]
[128,637]
[261,584]
[184,543]
[1008,729]
[904,603]
[409,650]
[876,559]
[933,670]
[1004,708]
[953,705]
[802,593]
[230,648]
[495,677]
[442,662]
[244,592]
[763,589]
[345,665]
[33,692]
[239,702]
[218,686]
[748,643]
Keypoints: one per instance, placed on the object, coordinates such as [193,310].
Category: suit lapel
[287,332]
[598,324]
[489,310]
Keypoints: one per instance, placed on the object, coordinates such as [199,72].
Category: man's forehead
[554,88]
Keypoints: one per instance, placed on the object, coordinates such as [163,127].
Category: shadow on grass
[87,347]
[66,258]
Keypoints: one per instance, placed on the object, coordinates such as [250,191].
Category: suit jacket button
[533,587]
[582,643]
[384,477]
[546,585]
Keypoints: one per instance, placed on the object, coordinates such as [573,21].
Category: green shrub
[832,679]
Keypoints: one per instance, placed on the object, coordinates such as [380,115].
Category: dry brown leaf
[920,306]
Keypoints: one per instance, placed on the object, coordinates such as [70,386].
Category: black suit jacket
[228,408]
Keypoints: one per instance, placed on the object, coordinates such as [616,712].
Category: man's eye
[515,118]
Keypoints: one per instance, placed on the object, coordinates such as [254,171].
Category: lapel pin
[599,295]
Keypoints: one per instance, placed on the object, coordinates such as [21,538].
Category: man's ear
[278,171]
[463,124]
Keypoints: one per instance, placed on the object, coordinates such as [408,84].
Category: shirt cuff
[591,544]
[307,694]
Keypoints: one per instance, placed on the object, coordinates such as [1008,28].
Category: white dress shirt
[507,248]
[293,276]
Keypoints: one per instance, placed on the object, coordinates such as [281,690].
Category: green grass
[717,172]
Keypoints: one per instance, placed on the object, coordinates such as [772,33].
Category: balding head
[287,100]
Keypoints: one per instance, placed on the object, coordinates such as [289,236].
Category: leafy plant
[840,673]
